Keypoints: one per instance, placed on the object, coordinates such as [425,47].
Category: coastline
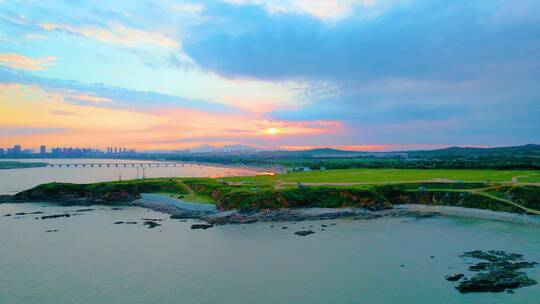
[474,213]
[179,209]
[224,201]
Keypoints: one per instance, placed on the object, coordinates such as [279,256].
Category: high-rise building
[17,149]
[2,151]
[42,149]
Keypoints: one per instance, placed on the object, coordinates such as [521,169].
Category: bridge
[123,165]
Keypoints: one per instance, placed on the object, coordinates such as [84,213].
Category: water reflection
[15,180]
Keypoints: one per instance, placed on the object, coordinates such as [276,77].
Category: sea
[87,258]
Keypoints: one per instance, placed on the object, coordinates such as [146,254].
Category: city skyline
[375,75]
[44,149]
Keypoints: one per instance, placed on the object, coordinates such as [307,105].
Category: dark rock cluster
[45,217]
[454,277]
[151,224]
[201,226]
[6,199]
[499,271]
[304,232]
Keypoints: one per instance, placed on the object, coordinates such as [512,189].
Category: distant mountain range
[529,149]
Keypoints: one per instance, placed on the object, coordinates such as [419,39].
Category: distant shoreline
[9,165]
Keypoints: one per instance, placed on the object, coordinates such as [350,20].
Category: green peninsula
[494,190]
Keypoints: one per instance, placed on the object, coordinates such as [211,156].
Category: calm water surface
[91,260]
[16,180]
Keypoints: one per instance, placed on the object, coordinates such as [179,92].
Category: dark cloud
[425,39]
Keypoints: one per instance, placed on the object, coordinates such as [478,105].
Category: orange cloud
[30,106]
[20,62]
[117,34]
[91,124]
[85,97]
[187,123]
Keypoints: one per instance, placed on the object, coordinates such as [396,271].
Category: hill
[529,150]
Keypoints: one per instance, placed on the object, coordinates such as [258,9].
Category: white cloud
[117,34]
[191,9]
[21,62]
[322,9]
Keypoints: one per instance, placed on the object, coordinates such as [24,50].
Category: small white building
[301,169]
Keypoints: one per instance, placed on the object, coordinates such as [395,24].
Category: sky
[271,74]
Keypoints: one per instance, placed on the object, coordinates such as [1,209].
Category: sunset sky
[351,74]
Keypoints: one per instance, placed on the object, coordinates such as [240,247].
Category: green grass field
[533,178]
[191,197]
[392,176]
[484,189]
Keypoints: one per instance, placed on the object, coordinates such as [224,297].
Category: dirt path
[528,210]
[515,179]
[281,184]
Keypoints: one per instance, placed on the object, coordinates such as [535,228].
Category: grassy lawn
[534,178]
[199,199]
[190,198]
[390,175]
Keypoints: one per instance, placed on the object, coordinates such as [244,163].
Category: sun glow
[271,131]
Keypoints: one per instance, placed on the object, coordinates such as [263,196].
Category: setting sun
[271,131]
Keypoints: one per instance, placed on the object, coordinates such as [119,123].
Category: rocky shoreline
[176,208]
[278,215]
[223,217]
[6,199]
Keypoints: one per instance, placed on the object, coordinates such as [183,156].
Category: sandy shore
[473,213]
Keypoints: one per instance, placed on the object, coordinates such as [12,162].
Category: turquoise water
[91,260]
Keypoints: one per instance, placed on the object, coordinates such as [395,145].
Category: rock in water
[151,224]
[201,226]
[25,213]
[495,281]
[54,216]
[304,232]
[454,277]
[500,272]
